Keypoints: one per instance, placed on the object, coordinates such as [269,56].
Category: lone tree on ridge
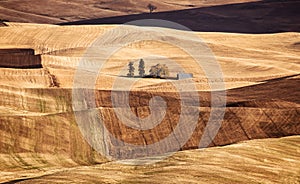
[151,7]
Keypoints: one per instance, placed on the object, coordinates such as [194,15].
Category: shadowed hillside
[252,17]
[57,11]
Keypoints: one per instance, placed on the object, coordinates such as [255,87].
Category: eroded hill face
[38,127]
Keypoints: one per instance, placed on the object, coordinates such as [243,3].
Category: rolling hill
[261,74]
[256,140]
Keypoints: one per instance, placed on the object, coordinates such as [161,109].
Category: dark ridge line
[17,181]
[281,78]
[269,81]
[23,67]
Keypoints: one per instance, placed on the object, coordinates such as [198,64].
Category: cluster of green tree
[156,71]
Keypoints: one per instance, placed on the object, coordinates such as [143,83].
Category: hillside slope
[257,161]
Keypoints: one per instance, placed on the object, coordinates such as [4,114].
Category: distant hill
[251,17]
[240,16]
[58,11]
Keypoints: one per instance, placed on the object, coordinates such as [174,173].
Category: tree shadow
[149,77]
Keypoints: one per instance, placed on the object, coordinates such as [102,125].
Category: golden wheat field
[40,138]
[64,66]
